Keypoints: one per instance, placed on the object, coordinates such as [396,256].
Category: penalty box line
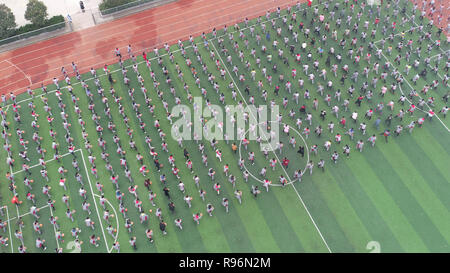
[406,79]
[50,160]
[117,220]
[9,227]
[95,202]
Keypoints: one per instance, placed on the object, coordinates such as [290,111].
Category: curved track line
[18,68]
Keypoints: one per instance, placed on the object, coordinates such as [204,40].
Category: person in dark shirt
[292,48]
[303,109]
[301,150]
[172,207]
[166,192]
[445,97]
[147,183]
[247,90]
[157,164]
[110,79]
[388,120]
[162,227]
[359,100]
[323,113]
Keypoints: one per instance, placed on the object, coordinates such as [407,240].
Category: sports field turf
[395,194]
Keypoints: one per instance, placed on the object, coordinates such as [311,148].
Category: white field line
[153,58]
[17,211]
[409,17]
[26,76]
[262,21]
[401,90]
[156,45]
[445,54]
[50,160]
[92,78]
[432,57]
[95,203]
[25,214]
[117,220]
[105,38]
[417,109]
[54,228]
[413,28]
[18,216]
[437,73]
[127,31]
[9,227]
[273,184]
[17,208]
[274,152]
[406,80]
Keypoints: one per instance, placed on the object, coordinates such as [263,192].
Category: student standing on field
[162,227]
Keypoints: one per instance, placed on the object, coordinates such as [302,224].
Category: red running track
[442,10]
[93,47]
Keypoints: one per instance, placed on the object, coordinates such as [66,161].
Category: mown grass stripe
[187,242]
[425,168]
[160,245]
[364,208]
[435,152]
[325,186]
[408,198]
[325,217]
[236,245]
[387,206]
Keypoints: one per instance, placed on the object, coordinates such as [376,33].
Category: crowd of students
[369,62]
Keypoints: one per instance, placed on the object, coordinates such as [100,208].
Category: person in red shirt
[302,109]
[15,200]
[285,162]
[359,100]
[343,121]
[386,133]
[411,109]
[309,3]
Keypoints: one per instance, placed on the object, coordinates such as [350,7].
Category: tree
[36,12]
[7,21]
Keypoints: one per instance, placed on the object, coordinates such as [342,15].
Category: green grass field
[393,197]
